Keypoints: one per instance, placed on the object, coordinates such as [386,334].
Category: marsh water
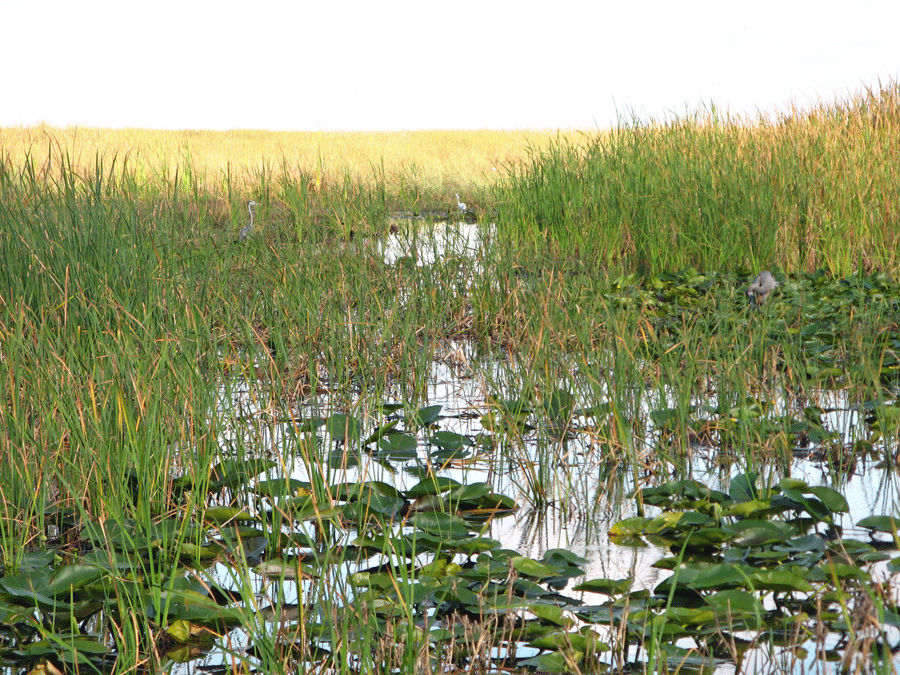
[364,441]
[585,494]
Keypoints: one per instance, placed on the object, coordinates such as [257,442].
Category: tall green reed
[133,319]
[95,307]
[802,191]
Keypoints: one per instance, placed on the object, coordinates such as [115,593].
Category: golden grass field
[431,160]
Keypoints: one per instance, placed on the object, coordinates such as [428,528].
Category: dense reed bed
[133,319]
[803,190]
[430,164]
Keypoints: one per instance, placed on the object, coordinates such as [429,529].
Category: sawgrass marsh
[234,452]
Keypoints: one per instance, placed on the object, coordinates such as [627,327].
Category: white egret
[460,205]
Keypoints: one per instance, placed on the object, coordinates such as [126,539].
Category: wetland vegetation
[369,438]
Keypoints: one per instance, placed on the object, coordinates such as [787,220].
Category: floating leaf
[432,486]
[813,543]
[743,488]
[559,406]
[554,662]
[832,571]
[718,576]
[426,416]
[630,527]
[343,428]
[515,406]
[562,557]
[832,499]
[233,473]
[752,532]
[399,445]
[690,616]
[202,554]
[472,492]
[449,440]
[380,432]
[73,649]
[311,425]
[547,613]
[374,501]
[28,589]
[440,524]
[748,509]
[532,568]
[887,524]
[70,578]
[780,581]
[605,586]
[664,521]
[279,569]
[680,489]
[305,506]
[180,631]
[475,545]
[221,514]
[812,506]
[552,613]
[736,603]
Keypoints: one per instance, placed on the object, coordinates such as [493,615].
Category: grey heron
[246,229]
[761,287]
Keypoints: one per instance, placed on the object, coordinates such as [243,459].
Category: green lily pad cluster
[816,310]
[817,334]
[501,593]
[63,605]
[752,564]
[398,438]
[727,425]
[59,611]
[417,571]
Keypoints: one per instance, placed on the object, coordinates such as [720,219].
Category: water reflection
[588,496]
[569,522]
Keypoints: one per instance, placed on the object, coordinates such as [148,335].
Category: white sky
[423,64]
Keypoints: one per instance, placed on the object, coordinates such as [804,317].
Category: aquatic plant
[235,449]
[807,189]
